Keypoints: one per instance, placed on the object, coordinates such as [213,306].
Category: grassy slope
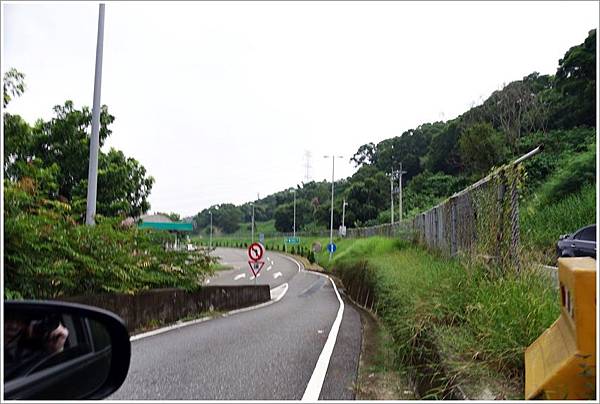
[563,203]
[480,325]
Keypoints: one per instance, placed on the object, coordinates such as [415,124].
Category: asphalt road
[269,353]
[276,270]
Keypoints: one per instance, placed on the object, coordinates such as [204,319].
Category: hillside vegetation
[441,158]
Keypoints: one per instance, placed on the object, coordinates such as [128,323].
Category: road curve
[268,353]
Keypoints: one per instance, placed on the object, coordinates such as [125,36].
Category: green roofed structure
[167,226]
[163,223]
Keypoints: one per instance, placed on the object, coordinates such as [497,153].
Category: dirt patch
[376,378]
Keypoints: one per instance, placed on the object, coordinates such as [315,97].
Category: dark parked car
[582,243]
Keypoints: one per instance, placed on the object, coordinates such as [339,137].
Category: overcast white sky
[219,101]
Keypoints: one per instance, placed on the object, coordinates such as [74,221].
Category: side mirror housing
[62,351]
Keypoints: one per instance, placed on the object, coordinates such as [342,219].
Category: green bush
[47,254]
[577,171]
[541,225]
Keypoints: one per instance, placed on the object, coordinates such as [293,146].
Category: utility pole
[400,189]
[95,138]
[210,242]
[333,157]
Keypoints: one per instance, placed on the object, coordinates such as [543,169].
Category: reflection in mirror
[37,341]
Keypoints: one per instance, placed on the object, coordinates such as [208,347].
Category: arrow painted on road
[277,275]
[238,277]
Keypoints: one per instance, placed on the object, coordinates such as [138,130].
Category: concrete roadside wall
[170,305]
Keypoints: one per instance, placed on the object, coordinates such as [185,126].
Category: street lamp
[252,203]
[344,212]
[294,191]
[333,157]
[90,210]
[210,239]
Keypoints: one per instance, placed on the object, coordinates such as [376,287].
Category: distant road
[276,271]
[269,353]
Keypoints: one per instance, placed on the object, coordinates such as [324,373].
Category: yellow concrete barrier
[561,363]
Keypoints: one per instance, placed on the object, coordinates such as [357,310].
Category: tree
[123,187]
[576,82]
[481,148]
[63,142]
[14,85]
[444,154]
[226,216]
[367,194]
[364,155]
[17,144]
[284,215]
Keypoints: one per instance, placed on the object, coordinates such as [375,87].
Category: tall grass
[476,319]
[542,224]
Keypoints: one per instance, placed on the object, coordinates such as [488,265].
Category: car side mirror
[62,351]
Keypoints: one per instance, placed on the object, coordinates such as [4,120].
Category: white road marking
[169,328]
[269,267]
[313,388]
[277,275]
[252,277]
[274,291]
[278,292]
[238,277]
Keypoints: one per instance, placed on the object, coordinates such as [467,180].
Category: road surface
[269,353]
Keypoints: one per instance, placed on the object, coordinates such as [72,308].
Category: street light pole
[344,211]
[252,222]
[294,191]
[332,191]
[95,138]
[210,242]
[392,194]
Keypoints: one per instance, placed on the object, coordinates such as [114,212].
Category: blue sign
[331,247]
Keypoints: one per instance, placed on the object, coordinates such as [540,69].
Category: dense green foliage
[440,158]
[47,254]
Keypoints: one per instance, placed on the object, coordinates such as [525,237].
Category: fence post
[500,234]
[453,227]
[515,239]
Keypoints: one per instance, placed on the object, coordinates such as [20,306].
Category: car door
[585,242]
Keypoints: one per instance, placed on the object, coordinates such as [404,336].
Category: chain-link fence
[481,220]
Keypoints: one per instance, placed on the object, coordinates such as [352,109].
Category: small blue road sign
[331,247]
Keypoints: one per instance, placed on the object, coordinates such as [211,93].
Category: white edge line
[313,388]
[203,319]
[168,328]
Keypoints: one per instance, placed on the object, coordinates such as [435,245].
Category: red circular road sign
[255,251]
